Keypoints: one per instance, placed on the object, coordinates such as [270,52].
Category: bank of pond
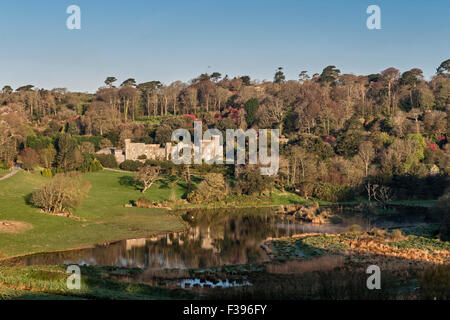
[240,253]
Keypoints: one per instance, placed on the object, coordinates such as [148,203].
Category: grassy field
[106,218]
[50,282]
[383,246]
[104,215]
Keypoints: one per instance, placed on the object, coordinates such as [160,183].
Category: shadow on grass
[28,200]
[129,181]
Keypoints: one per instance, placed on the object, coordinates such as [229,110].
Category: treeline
[347,134]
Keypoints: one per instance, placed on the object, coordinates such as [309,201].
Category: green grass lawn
[4,172]
[106,217]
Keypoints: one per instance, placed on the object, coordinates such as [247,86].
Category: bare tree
[390,75]
[127,94]
[366,154]
[381,194]
[148,175]
[63,193]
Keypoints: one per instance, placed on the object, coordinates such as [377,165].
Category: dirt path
[9,175]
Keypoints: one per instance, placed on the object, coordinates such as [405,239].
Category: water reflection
[192,283]
[216,237]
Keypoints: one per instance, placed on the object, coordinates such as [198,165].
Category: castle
[142,151]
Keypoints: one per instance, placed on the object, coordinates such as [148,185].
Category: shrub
[142,157]
[143,202]
[4,166]
[379,232]
[250,181]
[47,173]
[397,234]
[251,108]
[94,140]
[47,156]
[130,165]
[29,158]
[105,143]
[107,160]
[212,188]
[330,192]
[63,193]
[95,166]
[305,189]
[87,146]
[38,142]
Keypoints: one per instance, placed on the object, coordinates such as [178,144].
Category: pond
[214,238]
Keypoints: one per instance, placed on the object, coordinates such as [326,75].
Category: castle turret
[127,149]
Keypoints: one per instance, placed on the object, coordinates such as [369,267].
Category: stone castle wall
[151,151]
[132,151]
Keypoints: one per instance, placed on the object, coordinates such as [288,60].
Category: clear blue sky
[177,40]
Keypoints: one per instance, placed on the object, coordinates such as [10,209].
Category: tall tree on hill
[129,83]
[444,68]
[127,95]
[165,94]
[221,95]
[29,96]
[245,80]
[69,156]
[26,88]
[206,91]
[303,76]
[109,81]
[100,118]
[366,154]
[390,76]
[279,76]
[149,92]
[251,109]
[189,99]
[200,78]
[411,78]
[215,76]
[329,75]
[8,143]
[7,89]
[110,96]
[174,92]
